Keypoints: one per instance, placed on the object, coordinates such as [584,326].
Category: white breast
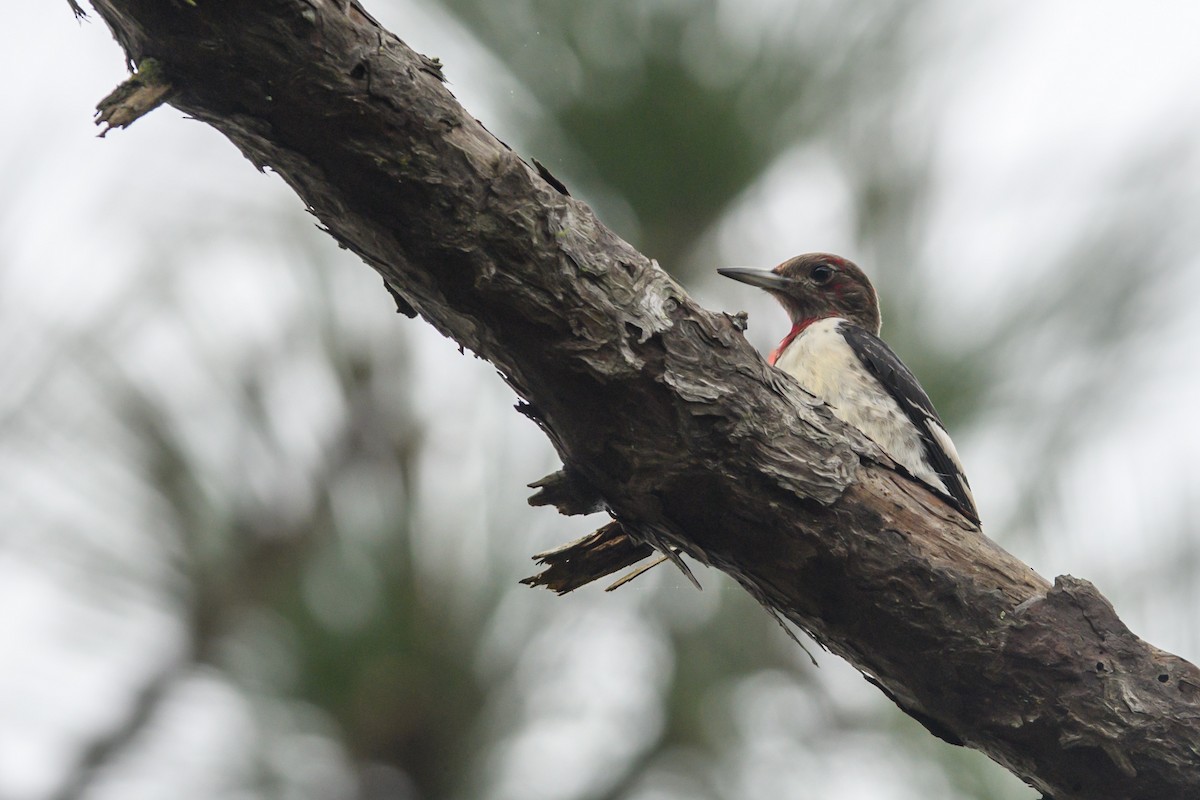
[823,363]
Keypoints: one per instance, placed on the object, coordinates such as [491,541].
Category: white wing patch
[943,439]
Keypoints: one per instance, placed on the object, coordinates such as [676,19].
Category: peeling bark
[665,412]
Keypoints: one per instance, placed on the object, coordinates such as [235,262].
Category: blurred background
[260,537]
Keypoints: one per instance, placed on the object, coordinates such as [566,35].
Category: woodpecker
[834,351]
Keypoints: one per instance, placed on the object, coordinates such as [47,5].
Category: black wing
[902,385]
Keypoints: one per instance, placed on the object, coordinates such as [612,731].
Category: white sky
[1073,86]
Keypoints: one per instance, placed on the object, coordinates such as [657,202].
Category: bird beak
[762,278]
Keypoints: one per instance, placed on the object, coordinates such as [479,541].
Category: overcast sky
[1038,108]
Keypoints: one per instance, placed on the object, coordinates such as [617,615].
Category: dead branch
[661,408]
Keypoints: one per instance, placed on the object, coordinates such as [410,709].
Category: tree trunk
[662,410]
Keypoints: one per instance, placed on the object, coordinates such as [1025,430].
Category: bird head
[815,286]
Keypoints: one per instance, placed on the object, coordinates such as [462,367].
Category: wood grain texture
[664,410]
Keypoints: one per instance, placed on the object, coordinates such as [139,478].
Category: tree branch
[101,750]
[665,412]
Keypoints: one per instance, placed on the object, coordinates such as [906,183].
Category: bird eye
[821,273]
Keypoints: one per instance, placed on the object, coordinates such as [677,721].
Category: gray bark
[661,409]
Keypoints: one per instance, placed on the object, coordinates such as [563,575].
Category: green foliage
[332,546]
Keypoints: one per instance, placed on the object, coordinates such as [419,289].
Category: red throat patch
[796,330]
